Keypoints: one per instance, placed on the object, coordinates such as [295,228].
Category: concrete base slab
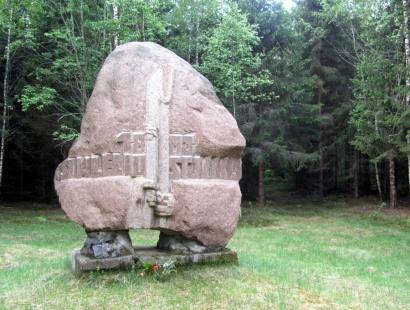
[81,263]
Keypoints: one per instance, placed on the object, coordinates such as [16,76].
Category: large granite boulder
[157,150]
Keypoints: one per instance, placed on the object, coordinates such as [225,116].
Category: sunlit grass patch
[301,255]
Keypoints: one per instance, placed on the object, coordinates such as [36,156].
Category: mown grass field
[299,255]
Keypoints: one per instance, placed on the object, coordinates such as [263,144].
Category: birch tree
[406,34]
[5,88]
[115,17]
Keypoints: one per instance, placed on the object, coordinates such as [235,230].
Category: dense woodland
[321,91]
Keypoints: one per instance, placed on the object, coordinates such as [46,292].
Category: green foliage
[228,60]
[139,20]
[190,23]
[78,35]
[380,116]
[306,86]
[65,134]
[37,97]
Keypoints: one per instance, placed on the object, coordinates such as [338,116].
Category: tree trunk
[82,21]
[84,70]
[261,184]
[376,167]
[407,51]
[5,96]
[321,184]
[365,175]
[336,168]
[356,166]
[379,185]
[392,178]
[321,181]
[189,36]
[385,180]
[233,103]
[115,16]
[105,20]
[196,43]
[143,25]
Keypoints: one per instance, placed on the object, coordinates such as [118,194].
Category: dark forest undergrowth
[294,254]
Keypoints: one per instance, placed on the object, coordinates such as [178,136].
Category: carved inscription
[129,159]
[185,164]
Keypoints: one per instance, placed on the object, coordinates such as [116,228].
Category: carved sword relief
[159,93]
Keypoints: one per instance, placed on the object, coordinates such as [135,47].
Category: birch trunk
[392,181]
[379,185]
[105,20]
[84,97]
[321,184]
[356,165]
[115,16]
[5,96]
[261,185]
[407,51]
[143,25]
[196,43]
[189,46]
[376,167]
[233,103]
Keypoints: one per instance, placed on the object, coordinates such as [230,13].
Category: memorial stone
[157,150]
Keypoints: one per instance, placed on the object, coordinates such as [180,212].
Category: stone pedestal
[81,263]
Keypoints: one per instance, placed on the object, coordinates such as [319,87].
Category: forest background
[321,92]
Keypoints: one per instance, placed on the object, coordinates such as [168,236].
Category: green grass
[299,255]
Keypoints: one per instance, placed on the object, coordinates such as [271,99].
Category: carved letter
[196,171]
[187,167]
[188,145]
[214,168]
[107,164]
[175,145]
[71,168]
[206,168]
[139,165]
[128,165]
[123,143]
[175,165]
[96,166]
[83,167]
[222,168]
[118,164]
[138,143]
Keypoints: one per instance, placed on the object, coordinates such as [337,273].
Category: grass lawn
[299,255]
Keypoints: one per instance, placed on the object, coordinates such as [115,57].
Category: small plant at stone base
[159,272]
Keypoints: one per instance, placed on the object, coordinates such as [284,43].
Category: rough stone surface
[153,255]
[207,210]
[81,263]
[104,244]
[109,203]
[176,243]
[156,150]
[118,102]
